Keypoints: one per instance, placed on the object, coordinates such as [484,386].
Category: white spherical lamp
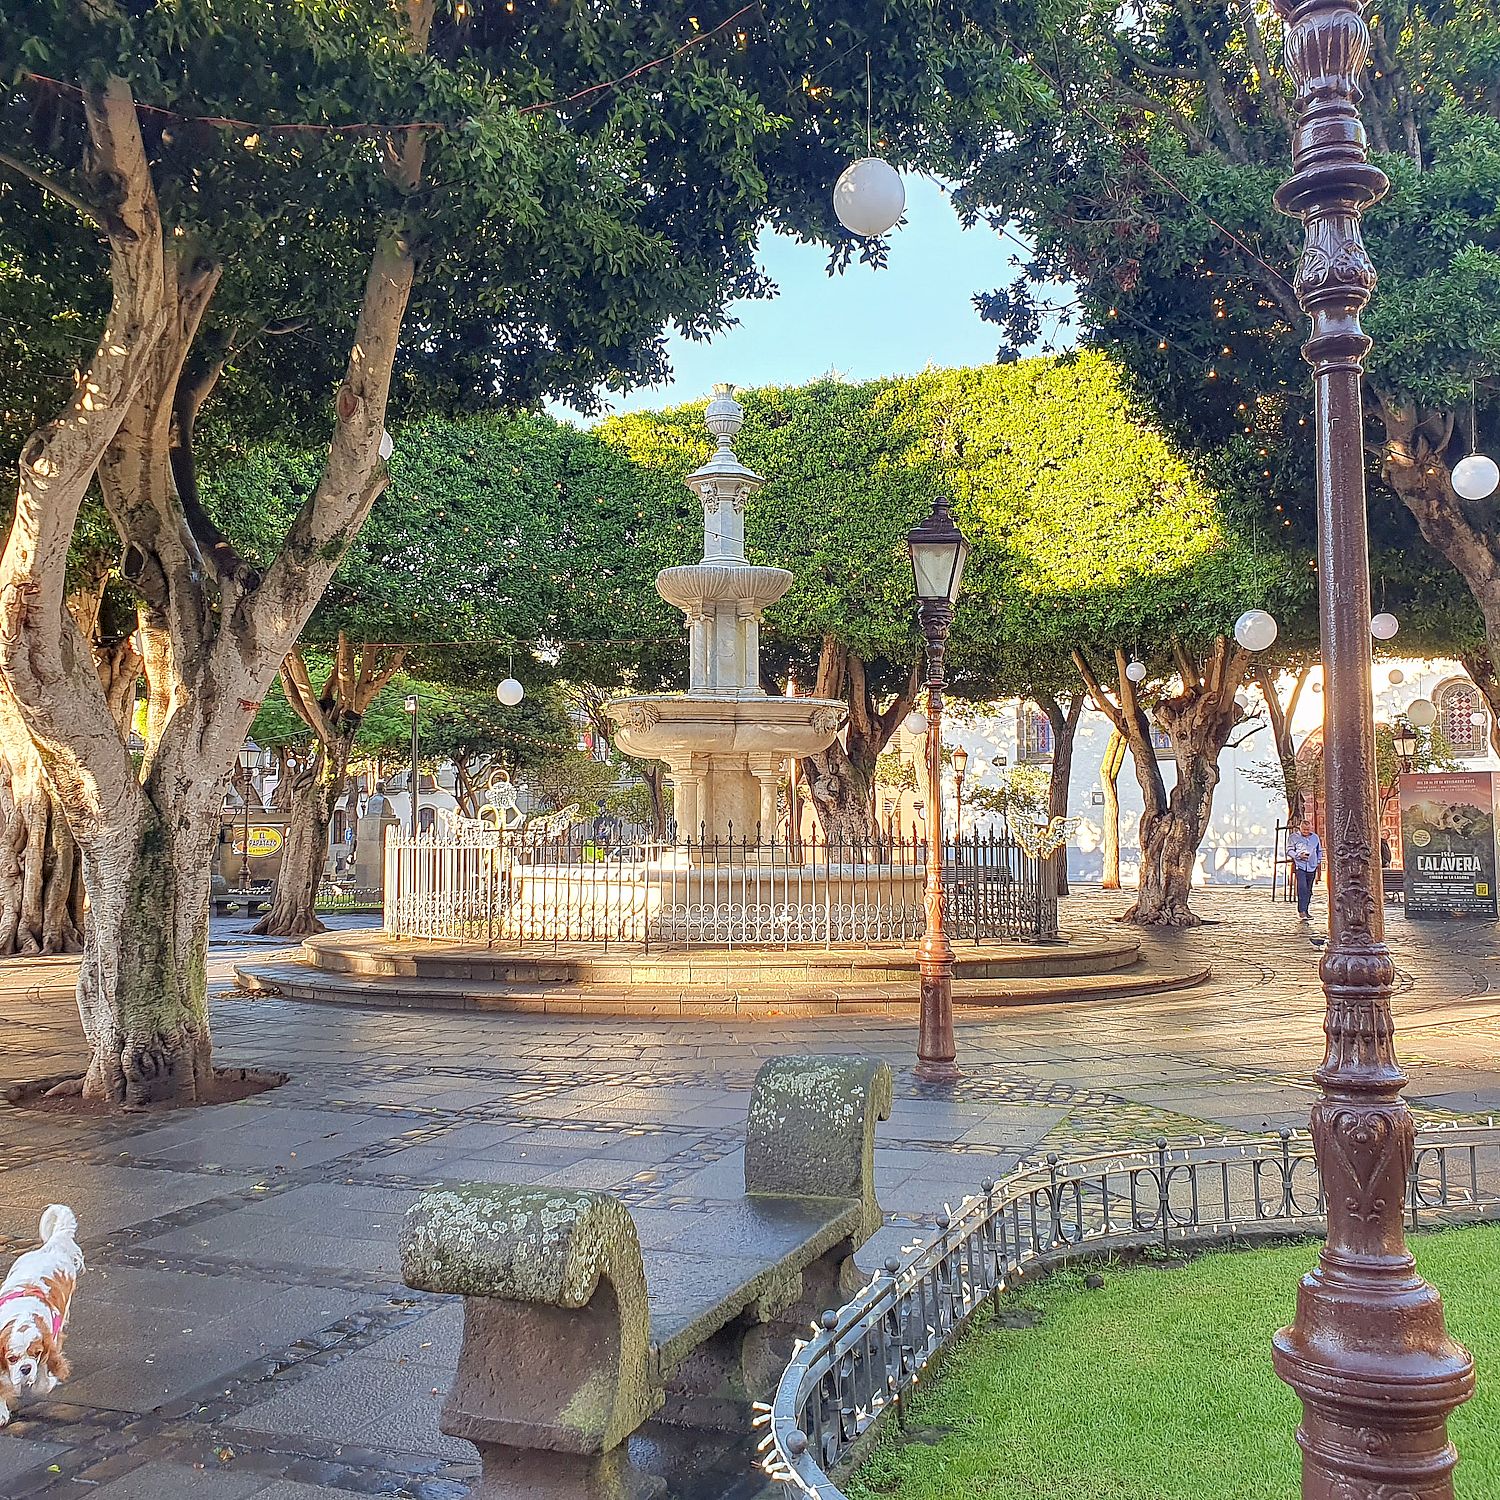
[1255,630]
[1421,713]
[1397,677]
[1135,670]
[1383,626]
[510,692]
[1475,477]
[915,723]
[387,446]
[1478,719]
[868,197]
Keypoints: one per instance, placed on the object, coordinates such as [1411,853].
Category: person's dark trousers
[1304,890]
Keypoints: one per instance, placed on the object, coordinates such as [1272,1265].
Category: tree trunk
[653,773]
[41,879]
[294,902]
[1109,774]
[1200,718]
[1414,463]
[1281,730]
[1169,847]
[1480,665]
[840,780]
[142,982]
[1064,722]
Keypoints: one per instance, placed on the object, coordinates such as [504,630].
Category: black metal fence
[861,1360]
[505,889]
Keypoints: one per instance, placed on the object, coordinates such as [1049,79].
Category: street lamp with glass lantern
[1404,743]
[249,755]
[960,766]
[938,552]
[416,751]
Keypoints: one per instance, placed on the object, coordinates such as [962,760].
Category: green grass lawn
[1159,1386]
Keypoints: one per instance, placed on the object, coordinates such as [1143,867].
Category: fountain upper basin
[699,585]
[665,727]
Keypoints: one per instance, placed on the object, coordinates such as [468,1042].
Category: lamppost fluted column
[936,1046]
[1368,1352]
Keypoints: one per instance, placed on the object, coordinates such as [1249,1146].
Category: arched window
[1459,705]
[1033,733]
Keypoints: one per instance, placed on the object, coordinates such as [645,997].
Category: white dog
[34,1301]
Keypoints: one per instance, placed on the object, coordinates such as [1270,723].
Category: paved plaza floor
[242,1332]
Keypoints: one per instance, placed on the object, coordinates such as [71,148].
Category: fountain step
[699,969]
[303,981]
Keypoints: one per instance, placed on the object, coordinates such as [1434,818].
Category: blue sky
[863,323]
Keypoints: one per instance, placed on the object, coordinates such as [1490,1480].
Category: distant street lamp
[249,754]
[960,765]
[938,551]
[1404,743]
[1367,1352]
[416,751]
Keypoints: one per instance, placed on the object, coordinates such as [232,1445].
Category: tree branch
[1102,701]
[55,190]
[199,376]
[1270,85]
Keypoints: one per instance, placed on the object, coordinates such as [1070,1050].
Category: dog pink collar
[21,1294]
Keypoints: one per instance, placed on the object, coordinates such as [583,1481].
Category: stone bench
[567,1349]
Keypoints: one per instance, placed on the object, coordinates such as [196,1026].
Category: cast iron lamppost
[938,550]
[960,765]
[1368,1352]
[249,752]
[416,750]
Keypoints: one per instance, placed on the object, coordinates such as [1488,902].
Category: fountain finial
[724,416]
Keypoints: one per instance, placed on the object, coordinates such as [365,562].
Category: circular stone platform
[371,969]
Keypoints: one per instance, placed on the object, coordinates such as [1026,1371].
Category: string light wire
[370,127]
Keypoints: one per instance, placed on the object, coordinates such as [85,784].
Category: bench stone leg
[533,1474]
[714,1386]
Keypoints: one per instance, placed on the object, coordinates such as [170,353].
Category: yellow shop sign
[263,841]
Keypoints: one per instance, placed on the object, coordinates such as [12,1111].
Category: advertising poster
[1448,843]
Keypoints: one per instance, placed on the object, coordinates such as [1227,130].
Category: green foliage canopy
[1089,527]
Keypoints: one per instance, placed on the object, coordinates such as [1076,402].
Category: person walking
[1305,850]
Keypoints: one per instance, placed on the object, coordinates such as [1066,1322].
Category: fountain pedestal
[725,740]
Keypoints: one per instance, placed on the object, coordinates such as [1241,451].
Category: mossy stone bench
[567,1349]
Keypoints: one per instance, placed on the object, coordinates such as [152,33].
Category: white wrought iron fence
[484,884]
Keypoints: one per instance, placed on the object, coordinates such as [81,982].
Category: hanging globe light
[1397,677]
[1255,630]
[1475,477]
[868,198]
[387,445]
[1478,718]
[509,692]
[1136,670]
[1383,626]
[915,723]
[1421,712]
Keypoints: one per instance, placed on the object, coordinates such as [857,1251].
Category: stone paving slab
[254,1244]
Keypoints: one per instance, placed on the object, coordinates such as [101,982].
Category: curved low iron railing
[862,1359]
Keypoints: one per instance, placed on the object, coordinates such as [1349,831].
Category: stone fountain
[725,740]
